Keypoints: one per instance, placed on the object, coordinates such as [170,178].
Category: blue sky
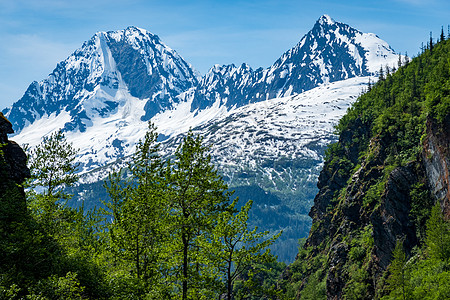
[36,34]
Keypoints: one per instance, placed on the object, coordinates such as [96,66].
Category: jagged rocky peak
[336,51]
[325,19]
[329,52]
[103,93]
[227,84]
[109,70]
[223,73]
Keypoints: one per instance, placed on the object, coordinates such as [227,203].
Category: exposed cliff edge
[379,183]
[436,156]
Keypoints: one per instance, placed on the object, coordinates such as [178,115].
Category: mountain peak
[325,19]
[112,68]
[132,34]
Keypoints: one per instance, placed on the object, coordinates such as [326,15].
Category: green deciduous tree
[196,199]
[172,224]
[235,249]
[138,213]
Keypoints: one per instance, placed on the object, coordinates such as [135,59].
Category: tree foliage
[169,222]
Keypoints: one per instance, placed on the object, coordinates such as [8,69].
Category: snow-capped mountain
[103,93]
[108,71]
[274,148]
[329,52]
[268,127]
[268,136]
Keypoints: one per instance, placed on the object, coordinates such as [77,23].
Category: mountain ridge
[101,73]
[329,52]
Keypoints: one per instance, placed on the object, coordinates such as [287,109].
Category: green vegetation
[426,275]
[381,139]
[168,231]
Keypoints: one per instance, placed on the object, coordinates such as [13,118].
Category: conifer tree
[406,59]
[398,281]
[381,74]
[53,168]
[431,42]
[52,165]
[438,235]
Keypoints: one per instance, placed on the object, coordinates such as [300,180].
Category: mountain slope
[378,185]
[103,94]
[274,148]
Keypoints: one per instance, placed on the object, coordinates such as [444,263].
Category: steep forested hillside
[371,217]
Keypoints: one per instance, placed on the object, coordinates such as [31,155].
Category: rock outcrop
[436,157]
[379,184]
[13,160]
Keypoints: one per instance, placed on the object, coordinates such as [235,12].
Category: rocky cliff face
[436,157]
[13,171]
[14,159]
[375,202]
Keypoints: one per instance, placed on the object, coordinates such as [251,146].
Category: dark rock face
[388,217]
[336,278]
[391,220]
[16,160]
[5,128]
[13,159]
[343,210]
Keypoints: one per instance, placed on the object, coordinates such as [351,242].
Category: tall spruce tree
[438,235]
[52,165]
[398,281]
